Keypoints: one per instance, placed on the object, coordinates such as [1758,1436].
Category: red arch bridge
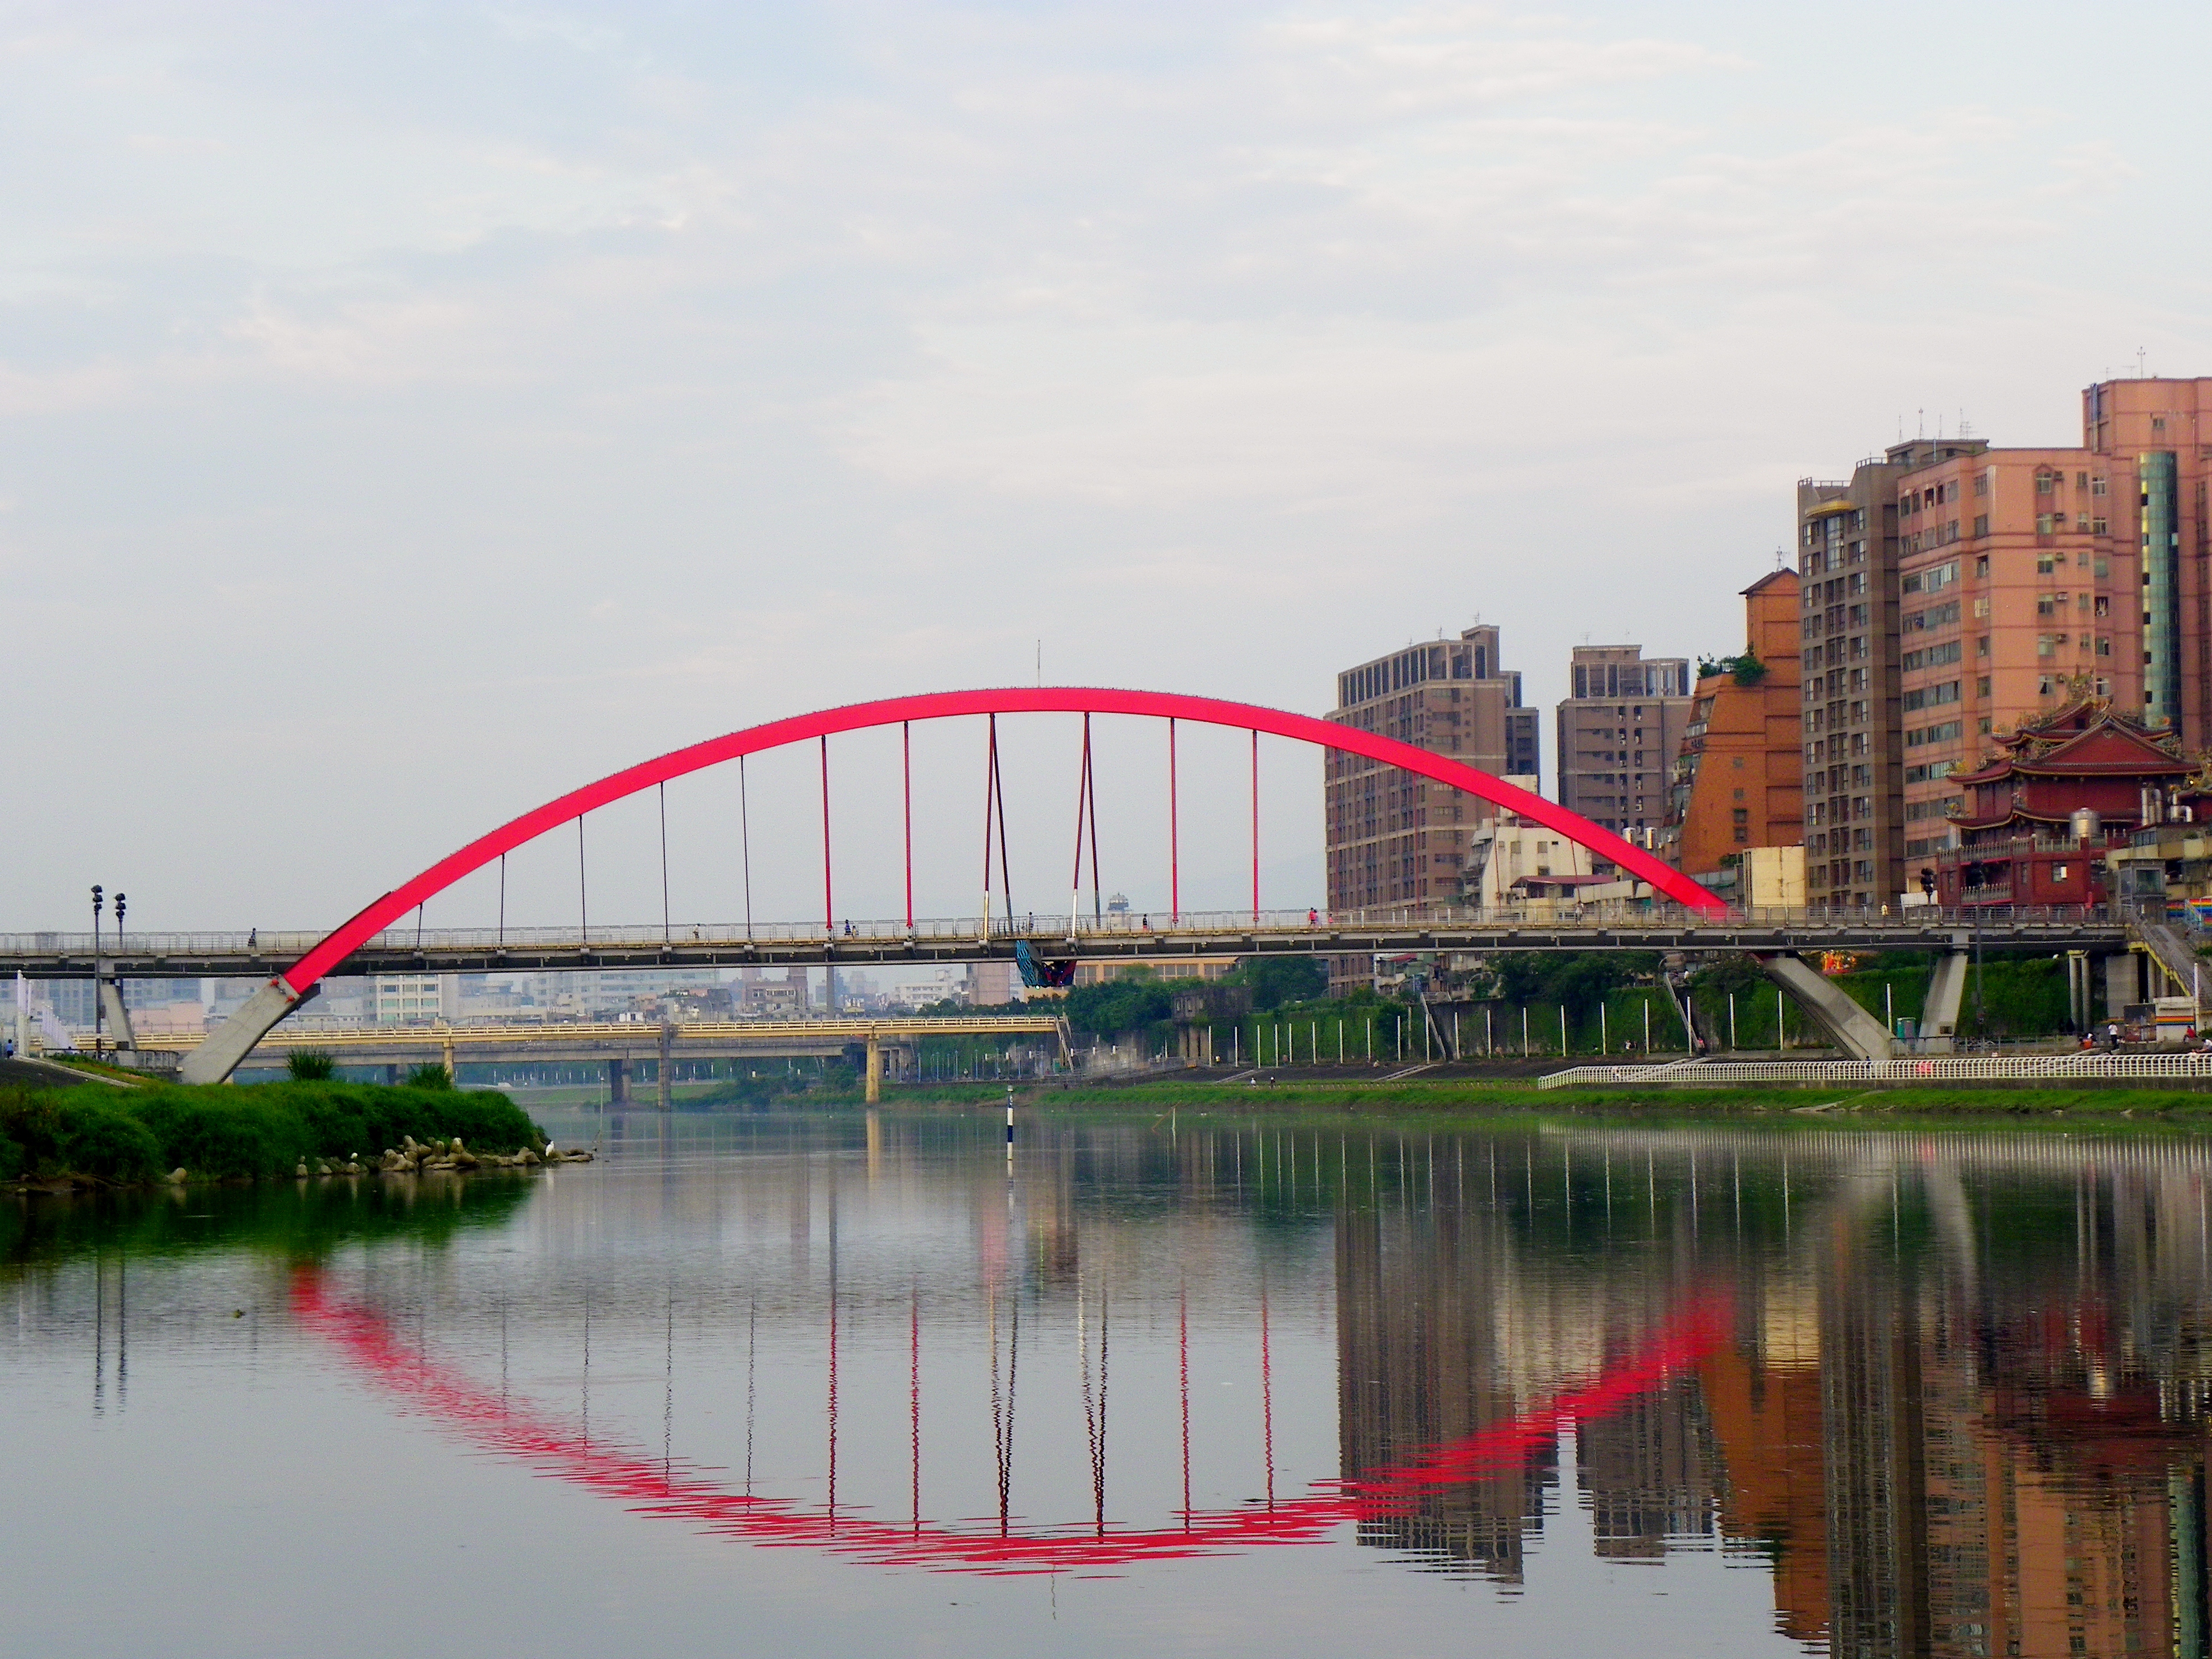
[1674,912]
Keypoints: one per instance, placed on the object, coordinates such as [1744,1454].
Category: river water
[848,1384]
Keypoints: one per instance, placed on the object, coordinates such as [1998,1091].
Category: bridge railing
[1043,927]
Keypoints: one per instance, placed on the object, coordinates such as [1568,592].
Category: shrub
[306,1066]
[102,1140]
[429,1077]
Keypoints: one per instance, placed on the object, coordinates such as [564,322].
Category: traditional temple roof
[2088,738]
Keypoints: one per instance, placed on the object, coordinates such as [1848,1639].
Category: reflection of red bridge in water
[651,1488]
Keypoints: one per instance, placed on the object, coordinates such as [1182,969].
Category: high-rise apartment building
[1396,839]
[2029,578]
[1847,549]
[1619,732]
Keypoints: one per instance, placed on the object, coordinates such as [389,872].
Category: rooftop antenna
[1040,662]
[1778,558]
[2140,355]
[1923,432]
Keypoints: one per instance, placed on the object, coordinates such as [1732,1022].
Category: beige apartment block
[1620,730]
[1393,838]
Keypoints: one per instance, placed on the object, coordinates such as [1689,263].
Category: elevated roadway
[621,1044]
[258,954]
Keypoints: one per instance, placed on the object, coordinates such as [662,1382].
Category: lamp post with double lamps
[98,903]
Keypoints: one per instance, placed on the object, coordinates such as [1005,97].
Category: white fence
[1932,1068]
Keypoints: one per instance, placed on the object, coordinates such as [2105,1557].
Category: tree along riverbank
[94,1133]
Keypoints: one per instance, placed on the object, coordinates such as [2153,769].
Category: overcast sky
[407,413]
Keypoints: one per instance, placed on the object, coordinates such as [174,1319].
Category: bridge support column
[220,1049]
[2123,982]
[1947,990]
[1853,1029]
[875,1070]
[664,1078]
[618,1083]
[118,1016]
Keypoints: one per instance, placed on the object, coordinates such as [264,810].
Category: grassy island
[98,1132]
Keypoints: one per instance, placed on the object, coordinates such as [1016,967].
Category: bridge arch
[208,1063]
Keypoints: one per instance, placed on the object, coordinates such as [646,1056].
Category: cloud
[587,374]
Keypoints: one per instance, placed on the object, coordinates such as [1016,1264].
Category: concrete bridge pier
[2124,982]
[665,1074]
[218,1053]
[1849,1026]
[875,1070]
[1947,991]
[118,1016]
[618,1083]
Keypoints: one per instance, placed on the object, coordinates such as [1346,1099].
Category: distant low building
[1511,861]
[1105,973]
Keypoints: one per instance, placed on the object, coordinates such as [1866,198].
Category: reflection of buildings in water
[1963,1413]
[1763,1396]
[1447,1325]
[2010,1456]
[1651,1471]
[1418,1363]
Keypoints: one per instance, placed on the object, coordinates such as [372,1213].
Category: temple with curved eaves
[2019,838]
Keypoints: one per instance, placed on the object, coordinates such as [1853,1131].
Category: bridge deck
[259,955]
[351,1045]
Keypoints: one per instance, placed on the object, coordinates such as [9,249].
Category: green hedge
[123,1135]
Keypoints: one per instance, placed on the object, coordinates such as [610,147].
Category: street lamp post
[118,964]
[98,903]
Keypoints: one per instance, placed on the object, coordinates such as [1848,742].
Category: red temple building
[2019,838]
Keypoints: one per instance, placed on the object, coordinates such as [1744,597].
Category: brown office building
[1619,732]
[1396,839]
[1739,777]
[1847,553]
